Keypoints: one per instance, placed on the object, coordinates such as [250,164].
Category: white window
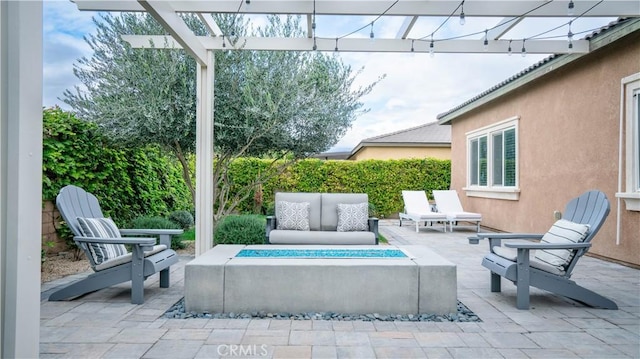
[493,161]
[630,124]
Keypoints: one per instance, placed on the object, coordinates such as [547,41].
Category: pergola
[21,100]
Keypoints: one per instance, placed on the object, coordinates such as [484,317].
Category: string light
[336,49]
[371,36]
[223,44]
[570,37]
[315,46]
[431,49]
[462,19]
[509,49]
[485,43]
[247,3]
[570,8]
[524,50]
[412,49]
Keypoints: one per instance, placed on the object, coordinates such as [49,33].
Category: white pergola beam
[210,24]
[366,45]
[485,8]
[163,12]
[502,28]
[406,27]
[20,177]
[204,154]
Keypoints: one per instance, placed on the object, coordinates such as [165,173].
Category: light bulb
[431,49]
[509,49]
[462,19]
[371,36]
[570,8]
[247,3]
[336,49]
[485,43]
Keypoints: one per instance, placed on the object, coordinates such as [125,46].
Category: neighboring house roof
[428,135]
[598,39]
[332,155]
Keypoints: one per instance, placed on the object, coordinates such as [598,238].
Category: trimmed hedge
[128,182]
[382,180]
[148,182]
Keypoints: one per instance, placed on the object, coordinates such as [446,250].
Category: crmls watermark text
[240,350]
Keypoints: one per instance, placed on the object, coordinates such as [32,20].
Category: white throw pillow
[562,232]
[353,217]
[293,215]
[101,228]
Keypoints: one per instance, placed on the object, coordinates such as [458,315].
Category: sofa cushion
[353,217]
[321,237]
[314,200]
[293,215]
[562,232]
[330,203]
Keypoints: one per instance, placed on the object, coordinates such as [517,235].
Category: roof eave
[546,66]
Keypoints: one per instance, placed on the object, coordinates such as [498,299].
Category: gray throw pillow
[353,217]
[293,215]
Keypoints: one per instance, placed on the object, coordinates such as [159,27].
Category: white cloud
[63,29]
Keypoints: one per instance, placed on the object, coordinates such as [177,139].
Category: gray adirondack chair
[146,258]
[591,209]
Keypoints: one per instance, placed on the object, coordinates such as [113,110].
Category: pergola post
[204,155]
[20,177]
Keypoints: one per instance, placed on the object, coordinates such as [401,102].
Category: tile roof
[429,133]
[601,31]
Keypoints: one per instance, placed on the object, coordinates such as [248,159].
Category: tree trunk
[186,175]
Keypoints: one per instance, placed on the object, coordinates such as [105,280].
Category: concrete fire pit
[418,282]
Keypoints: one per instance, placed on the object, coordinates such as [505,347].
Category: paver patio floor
[104,324]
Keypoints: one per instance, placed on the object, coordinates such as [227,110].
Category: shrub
[184,219]
[159,223]
[240,229]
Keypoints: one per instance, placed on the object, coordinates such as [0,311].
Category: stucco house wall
[396,153]
[568,138]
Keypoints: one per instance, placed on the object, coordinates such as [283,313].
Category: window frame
[630,124]
[491,190]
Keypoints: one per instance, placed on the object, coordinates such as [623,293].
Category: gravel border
[464,314]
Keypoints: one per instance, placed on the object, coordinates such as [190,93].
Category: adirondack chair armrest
[495,239]
[135,241]
[547,245]
[137,231]
[509,235]
[164,234]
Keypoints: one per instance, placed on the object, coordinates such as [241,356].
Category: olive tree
[274,104]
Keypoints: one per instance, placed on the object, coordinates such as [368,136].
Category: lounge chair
[448,203]
[418,209]
[556,254]
[100,240]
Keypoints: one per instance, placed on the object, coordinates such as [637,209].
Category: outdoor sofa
[322,218]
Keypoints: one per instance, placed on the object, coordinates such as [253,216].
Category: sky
[416,87]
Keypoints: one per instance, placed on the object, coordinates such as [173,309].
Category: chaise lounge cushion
[293,215]
[353,217]
[101,228]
